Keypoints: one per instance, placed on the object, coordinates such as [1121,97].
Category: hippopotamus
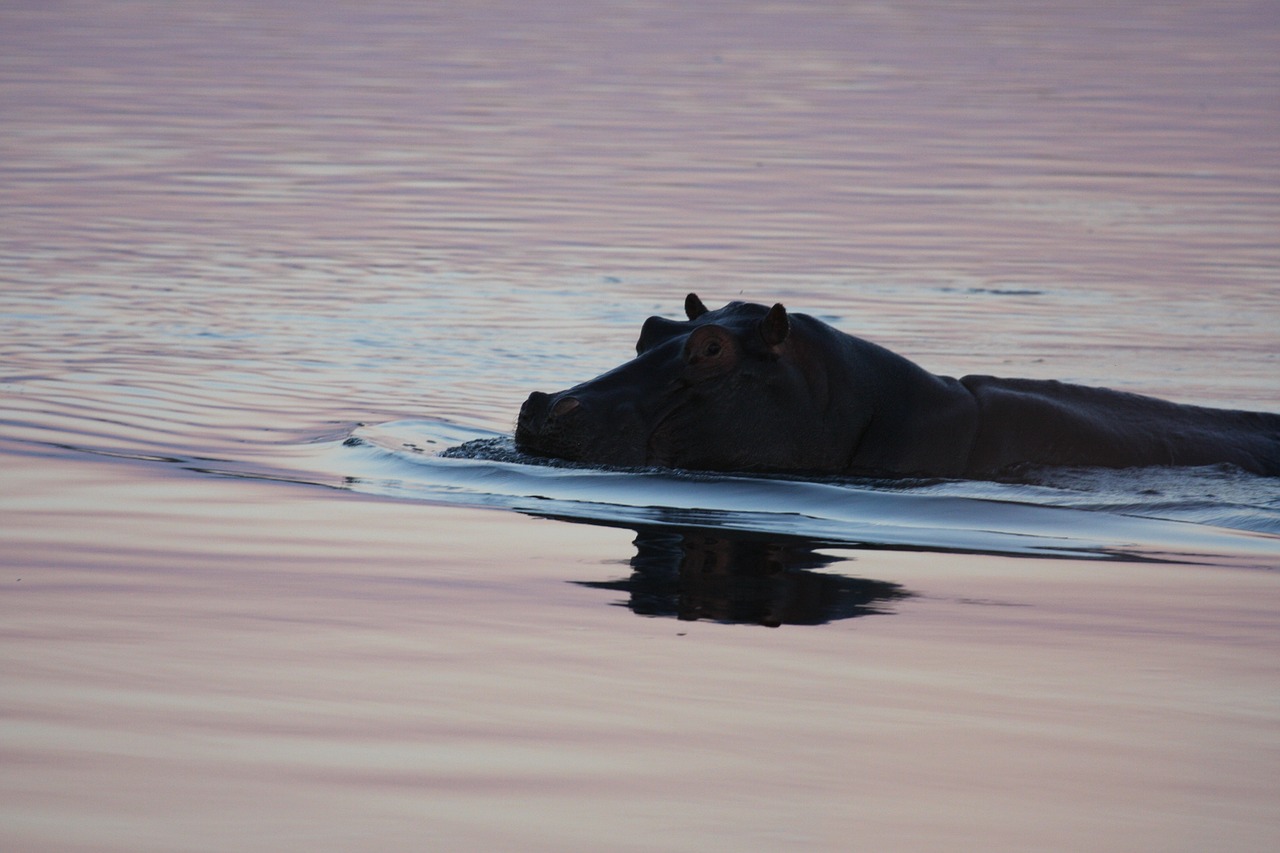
[752,388]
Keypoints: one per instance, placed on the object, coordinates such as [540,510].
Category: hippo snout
[534,410]
[544,425]
[540,410]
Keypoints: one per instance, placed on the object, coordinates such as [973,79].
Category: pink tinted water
[228,229]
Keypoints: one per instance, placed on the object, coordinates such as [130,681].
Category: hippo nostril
[564,406]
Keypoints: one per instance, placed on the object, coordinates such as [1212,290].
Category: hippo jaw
[561,426]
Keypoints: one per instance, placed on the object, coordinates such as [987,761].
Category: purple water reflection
[232,231]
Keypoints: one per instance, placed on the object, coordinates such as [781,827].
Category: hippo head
[731,389]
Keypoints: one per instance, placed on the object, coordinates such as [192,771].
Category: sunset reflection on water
[234,232]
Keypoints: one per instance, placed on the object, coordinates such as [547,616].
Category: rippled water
[262,266]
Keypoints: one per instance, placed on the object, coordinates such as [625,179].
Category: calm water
[260,266]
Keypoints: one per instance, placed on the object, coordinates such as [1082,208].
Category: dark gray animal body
[750,388]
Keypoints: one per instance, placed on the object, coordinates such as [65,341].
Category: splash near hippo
[752,388]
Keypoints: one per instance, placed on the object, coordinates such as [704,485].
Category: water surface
[261,266]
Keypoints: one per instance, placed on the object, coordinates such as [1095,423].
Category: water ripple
[1087,514]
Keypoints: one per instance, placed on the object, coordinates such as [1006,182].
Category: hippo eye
[711,348]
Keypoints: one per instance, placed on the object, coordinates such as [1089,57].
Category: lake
[275,280]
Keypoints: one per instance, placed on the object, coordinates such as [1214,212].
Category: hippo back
[1050,423]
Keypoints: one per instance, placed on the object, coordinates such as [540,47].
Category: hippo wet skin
[752,388]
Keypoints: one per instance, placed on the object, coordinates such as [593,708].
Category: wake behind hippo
[750,388]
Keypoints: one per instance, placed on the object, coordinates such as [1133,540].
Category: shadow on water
[742,577]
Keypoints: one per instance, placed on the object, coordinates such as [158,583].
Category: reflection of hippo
[750,388]
[744,577]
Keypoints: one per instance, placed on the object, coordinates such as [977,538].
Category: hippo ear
[693,307]
[775,326]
